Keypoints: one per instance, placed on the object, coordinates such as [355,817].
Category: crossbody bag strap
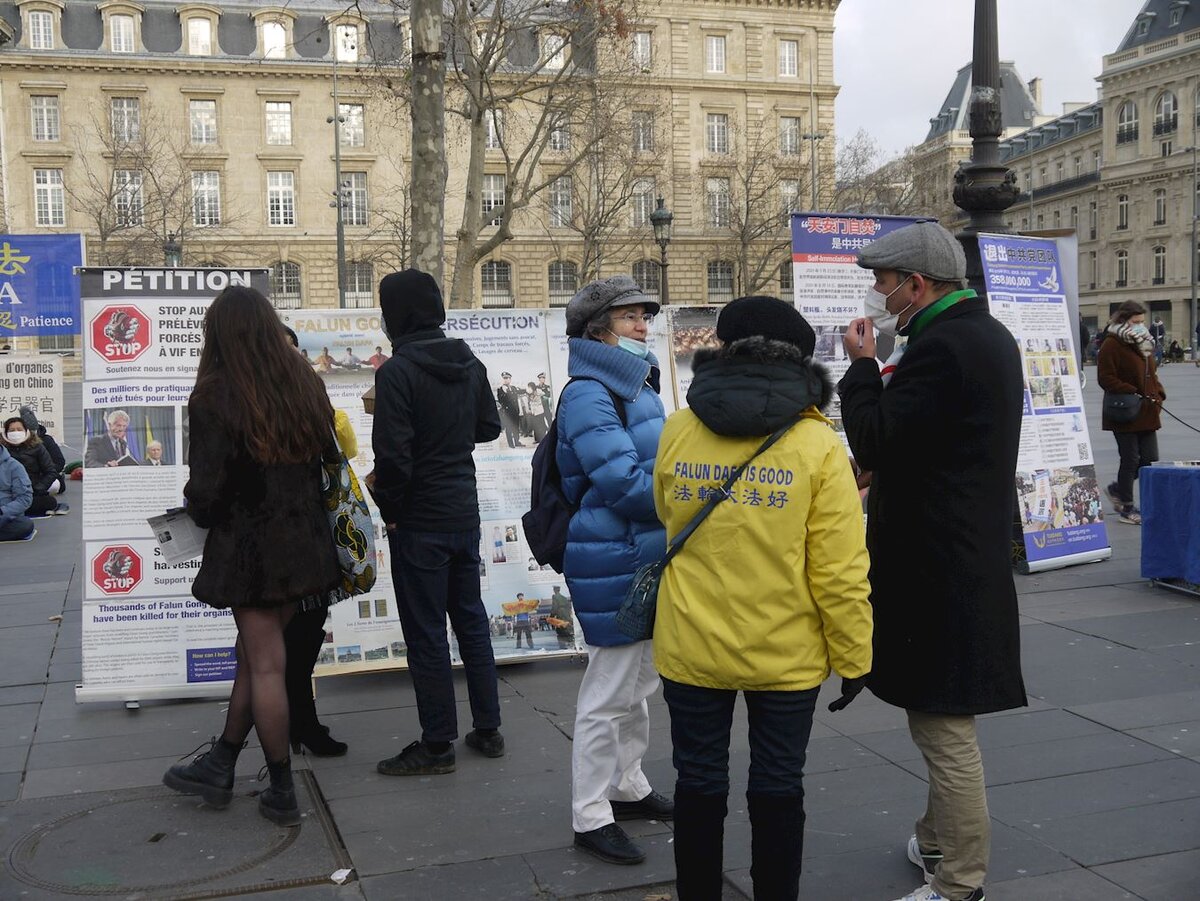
[721,494]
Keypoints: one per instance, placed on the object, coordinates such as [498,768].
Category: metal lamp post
[660,221]
[1194,337]
[339,200]
[172,252]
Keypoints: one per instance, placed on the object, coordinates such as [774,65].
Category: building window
[199,37]
[493,195]
[1166,114]
[714,54]
[202,115]
[560,135]
[560,202]
[1094,265]
[1075,218]
[789,135]
[41,31]
[1159,256]
[1166,148]
[274,40]
[354,198]
[1093,217]
[346,43]
[1097,158]
[1041,221]
[1122,211]
[281,198]
[643,131]
[44,113]
[127,197]
[1057,219]
[1122,269]
[716,131]
[353,126]
[1160,206]
[1058,170]
[1078,166]
[120,33]
[285,286]
[642,201]
[720,281]
[789,58]
[126,119]
[717,191]
[493,128]
[647,274]
[789,198]
[1176,16]
[563,280]
[554,51]
[64,343]
[786,282]
[360,284]
[279,122]
[206,199]
[496,280]
[1127,123]
[643,50]
[49,198]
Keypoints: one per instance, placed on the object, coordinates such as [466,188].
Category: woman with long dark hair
[260,422]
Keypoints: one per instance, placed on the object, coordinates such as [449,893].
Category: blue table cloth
[1170,522]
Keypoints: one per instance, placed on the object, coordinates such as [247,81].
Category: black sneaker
[418,760]
[489,745]
[611,844]
[652,807]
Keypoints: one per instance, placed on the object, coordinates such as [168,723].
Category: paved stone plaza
[1095,787]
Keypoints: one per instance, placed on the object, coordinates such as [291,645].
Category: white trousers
[612,732]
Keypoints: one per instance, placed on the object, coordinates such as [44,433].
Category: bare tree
[428,110]
[869,182]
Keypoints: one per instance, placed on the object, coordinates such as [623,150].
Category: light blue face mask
[632,345]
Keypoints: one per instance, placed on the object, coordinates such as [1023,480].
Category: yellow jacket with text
[771,590]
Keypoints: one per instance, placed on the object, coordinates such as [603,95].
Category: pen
[860,335]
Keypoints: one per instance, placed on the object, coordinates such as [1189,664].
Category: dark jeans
[436,575]
[16,528]
[780,722]
[1137,449]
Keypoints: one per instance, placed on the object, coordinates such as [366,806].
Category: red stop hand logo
[117,569]
[120,333]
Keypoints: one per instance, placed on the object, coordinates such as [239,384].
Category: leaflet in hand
[178,536]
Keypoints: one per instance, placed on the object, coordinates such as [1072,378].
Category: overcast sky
[896,59]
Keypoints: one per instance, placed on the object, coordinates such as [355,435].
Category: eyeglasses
[633,318]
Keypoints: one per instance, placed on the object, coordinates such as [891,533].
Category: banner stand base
[132,697]
[1027,569]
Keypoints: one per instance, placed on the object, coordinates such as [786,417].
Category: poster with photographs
[830,285]
[692,329]
[1059,502]
[144,635]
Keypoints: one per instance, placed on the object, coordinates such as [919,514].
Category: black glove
[850,690]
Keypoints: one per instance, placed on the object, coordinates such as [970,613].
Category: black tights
[259,696]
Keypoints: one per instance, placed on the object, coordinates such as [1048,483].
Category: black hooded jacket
[432,405]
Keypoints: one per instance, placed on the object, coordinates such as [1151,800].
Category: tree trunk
[428,191]
[467,252]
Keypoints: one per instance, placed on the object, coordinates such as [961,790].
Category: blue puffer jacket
[16,491]
[608,470]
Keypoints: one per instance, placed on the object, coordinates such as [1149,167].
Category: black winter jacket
[433,404]
[942,442]
[38,463]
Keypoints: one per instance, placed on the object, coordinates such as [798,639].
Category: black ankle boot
[210,775]
[316,738]
[699,844]
[776,845]
[277,802]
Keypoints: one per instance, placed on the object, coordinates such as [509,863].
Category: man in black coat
[432,405]
[942,443]
[508,399]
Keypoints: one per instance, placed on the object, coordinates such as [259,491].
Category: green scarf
[924,316]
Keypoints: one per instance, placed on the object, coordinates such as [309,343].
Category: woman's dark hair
[264,389]
[32,433]
[1127,311]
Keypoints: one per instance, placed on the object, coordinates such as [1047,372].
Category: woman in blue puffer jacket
[609,421]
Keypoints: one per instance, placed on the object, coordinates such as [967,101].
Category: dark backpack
[549,512]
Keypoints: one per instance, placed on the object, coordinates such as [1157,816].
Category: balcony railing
[1127,134]
[1158,280]
[1121,283]
[1168,125]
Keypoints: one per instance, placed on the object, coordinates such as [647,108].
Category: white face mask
[876,308]
[16,437]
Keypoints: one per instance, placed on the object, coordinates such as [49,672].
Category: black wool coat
[942,443]
[269,540]
[38,463]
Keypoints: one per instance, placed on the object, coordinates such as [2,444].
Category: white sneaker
[927,862]
[927,893]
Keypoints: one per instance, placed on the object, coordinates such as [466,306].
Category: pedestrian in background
[941,443]
[771,618]
[606,457]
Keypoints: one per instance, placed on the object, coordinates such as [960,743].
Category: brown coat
[1122,369]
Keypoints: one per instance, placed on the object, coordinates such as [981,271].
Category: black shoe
[319,742]
[278,801]
[489,745]
[610,843]
[210,775]
[418,760]
[652,807]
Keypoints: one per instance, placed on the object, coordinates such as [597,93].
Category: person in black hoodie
[56,455]
[433,403]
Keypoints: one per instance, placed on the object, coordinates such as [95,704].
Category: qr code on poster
[1083,450]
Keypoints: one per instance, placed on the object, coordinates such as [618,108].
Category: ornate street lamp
[172,252]
[660,221]
[984,188]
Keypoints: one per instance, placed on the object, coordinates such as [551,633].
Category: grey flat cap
[923,247]
[593,299]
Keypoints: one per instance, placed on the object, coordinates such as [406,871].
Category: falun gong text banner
[1058,494]
[39,292]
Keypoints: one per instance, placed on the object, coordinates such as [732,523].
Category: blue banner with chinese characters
[1058,495]
[39,290]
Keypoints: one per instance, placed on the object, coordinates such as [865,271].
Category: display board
[39,293]
[34,381]
[1058,495]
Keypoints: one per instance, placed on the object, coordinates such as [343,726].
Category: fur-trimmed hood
[755,385]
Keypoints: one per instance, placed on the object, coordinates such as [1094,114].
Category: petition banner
[1058,494]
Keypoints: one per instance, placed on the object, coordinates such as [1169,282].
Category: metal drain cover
[154,843]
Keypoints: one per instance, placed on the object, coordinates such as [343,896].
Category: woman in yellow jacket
[765,598]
